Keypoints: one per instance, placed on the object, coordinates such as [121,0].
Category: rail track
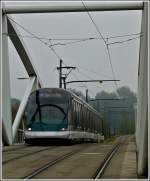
[15,149]
[27,154]
[104,164]
[101,169]
[25,168]
[51,163]
[96,175]
[84,161]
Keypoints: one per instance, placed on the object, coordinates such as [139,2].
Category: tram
[54,113]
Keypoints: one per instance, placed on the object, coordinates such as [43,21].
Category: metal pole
[6,100]
[64,79]
[49,7]
[86,95]
[100,81]
[60,74]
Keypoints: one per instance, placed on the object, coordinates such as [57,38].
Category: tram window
[84,118]
[82,121]
[99,126]
[88,120]
[78,112]
[95,121]
[73,113]
[92,123]
[76,115]
[79,125]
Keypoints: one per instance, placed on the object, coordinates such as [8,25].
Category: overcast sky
[90,57]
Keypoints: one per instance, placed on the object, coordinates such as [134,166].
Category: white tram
[54,113]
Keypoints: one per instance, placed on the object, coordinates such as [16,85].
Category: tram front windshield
[46,112]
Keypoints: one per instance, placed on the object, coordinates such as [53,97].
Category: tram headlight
[62,129]
[29,129]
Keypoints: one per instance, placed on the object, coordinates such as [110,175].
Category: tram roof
[72,94]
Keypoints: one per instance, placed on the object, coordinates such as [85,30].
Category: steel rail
[105,162]
[27,154]
[14,149]
[51,163]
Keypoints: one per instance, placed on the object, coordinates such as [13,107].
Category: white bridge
[9,29]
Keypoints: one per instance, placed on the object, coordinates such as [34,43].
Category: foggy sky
[89,55]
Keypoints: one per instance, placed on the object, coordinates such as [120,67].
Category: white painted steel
[10,28]
[22,106]
[142,105]
[6,102]
[49,7]
[22,50]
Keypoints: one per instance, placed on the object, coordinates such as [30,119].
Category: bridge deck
[20,162]
[124,163]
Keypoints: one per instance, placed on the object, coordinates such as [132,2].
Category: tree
[119,113]
[125,92]
[14,107]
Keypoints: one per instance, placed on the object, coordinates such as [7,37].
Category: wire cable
[85,75]
[105,41]
[124,41]
[76,39]
[35,36]
[96,27]
[92,71]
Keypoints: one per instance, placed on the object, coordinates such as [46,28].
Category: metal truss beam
[142,101]
[33,84]
[6,102]
[9,29]
[49,7]
[22,50]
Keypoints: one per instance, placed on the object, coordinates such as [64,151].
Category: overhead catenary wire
[124,41]
[105,42]
[71,39]
[88,39]
[45,43]
[85,75]
[92,71]
[35,36]
[58,56]
[83,84]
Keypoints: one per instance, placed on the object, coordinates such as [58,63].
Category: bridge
[9,132]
